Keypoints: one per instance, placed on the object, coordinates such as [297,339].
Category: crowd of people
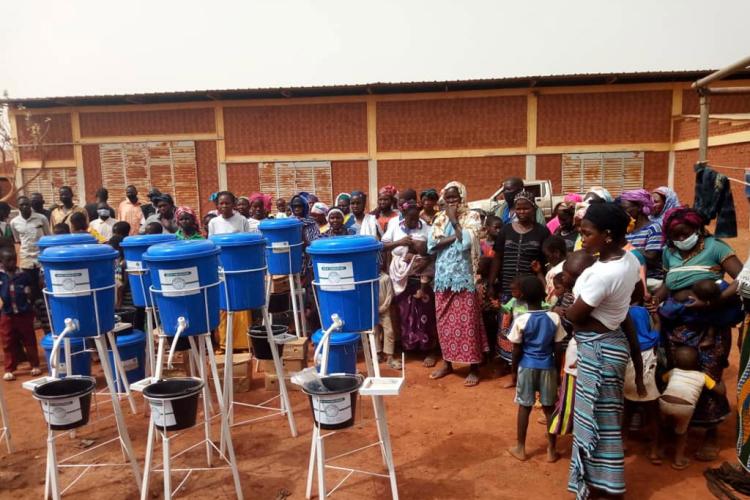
[615,314]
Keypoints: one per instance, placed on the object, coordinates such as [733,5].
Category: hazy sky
[56,48]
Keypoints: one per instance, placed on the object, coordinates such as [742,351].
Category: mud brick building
[619,130]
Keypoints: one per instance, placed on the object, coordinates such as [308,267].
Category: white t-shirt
[549,277]
[395,232]
[103,227]
[607,287]
[237,223]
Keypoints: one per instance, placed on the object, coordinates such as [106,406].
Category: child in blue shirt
[16,316]
[537,337]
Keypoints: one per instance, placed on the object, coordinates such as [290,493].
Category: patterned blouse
[453,268]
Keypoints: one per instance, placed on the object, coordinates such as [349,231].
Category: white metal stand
[52,482]
[4,417]
[296,292]
[200,344]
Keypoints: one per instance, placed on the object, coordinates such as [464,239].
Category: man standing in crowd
[61,214]
[164,214]
[37,204]
[511,187]
[102,195]
[149,209]
[28,227]
[103,223]
[130,209]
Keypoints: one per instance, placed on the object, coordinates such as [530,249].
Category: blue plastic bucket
[80,359]
[243,260]
[284,248]
[178,269]
[70,272]
[139,278]
[339,264]
[342,351]
[132,350]
[56,240]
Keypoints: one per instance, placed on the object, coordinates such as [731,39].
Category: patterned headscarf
[319,208]
[429,194]
[186,210]
[388,190]
[569,201]
[265,198]
[601,193]
[470,221]
[682,215]
[670,201]
[525,195]
[641,197]
[333,211]
[342,196]
[305,204]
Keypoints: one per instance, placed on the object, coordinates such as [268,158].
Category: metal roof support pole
[718,75]
[703,139]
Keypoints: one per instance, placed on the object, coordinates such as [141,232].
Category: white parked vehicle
[542,192]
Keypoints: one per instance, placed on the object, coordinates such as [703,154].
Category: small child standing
[17,316]
[536,336]
[555,251]
[647,326]
[684,387]
[386,340]
[508,313]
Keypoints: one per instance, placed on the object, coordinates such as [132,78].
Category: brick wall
[481,122]
[734,155]
[655,169]
[685,130]
[92,171]
[348,176]
[314,128]
[549,167]
[58,130]
[242,178]
[716,103]
[481,176]
[177,121]
[208,175]
[604,118]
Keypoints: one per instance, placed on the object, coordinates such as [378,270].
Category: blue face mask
[688,243]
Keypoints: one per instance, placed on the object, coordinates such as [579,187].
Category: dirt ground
[448,442]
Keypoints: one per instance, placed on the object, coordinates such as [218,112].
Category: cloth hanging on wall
[713,200]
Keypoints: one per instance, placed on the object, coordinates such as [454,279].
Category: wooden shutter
[617,172]
[284,180]
[49,181]
[572,169]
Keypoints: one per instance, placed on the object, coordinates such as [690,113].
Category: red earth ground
[448,442]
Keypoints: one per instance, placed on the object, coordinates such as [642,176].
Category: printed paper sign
[130,364]
[336,277]
[134,265]
[162,413]
[71,282]
[333,410]
[179,282]
[62,412]
[280,247]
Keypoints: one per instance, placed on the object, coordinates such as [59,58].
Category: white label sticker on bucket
[134,265]
[336,277]
[130,364]
[179,282]
[162,413]
[62,412]
[332,409]
[71,282]
[280,247]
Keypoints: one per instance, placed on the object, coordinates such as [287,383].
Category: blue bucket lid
[238,239]
[48,341]
[177,250]
[136,337]
[285,223]
[54,240]
[337,338]
[144,240]
[344,245]
[78,253]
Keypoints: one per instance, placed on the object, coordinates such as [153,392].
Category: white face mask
[688,243]
[103,213]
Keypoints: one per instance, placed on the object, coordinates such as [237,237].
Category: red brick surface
[604,118]
[655,169]
[549,167]
[735,155]
[208,175]
[178,121]
[685,130]
[717,103]
[348,176]
[58,130]
[92,171]
[314,128]
[482,176]
[482,122]
[242,178]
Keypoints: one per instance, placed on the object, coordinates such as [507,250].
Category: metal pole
[728,90]
[703,137]
[718,75]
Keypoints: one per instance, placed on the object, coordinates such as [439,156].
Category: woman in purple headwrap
[645,235]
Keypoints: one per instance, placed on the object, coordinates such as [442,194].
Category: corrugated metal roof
[372,88]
